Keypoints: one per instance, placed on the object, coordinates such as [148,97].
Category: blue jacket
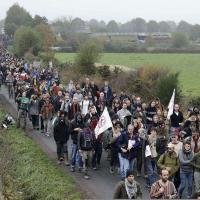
[123,143]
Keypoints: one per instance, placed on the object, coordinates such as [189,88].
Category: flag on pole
[104,123]
[171,105]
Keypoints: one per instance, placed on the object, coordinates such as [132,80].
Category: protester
[76,126]
[169,161]
[128,188]
[163,188]
[47,111]
[196,164]
[186,169]
[61,136]
[34,111]
[23,107]
[85,147]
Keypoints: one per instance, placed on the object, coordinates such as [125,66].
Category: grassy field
[187,64]
[34,176]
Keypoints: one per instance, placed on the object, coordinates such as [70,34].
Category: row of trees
[29,34]
[137,25]
[35,34]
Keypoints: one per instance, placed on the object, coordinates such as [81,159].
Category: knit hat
[129,173]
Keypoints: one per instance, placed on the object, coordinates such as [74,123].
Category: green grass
[35,176]
[187,64]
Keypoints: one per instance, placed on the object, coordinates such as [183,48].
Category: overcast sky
[119,10]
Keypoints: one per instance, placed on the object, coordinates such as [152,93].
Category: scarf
[131,189]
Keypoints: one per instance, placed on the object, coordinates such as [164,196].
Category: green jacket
[23,103]
[120,191]
[196,161]
[172,161]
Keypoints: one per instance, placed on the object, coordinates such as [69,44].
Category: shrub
[165,87]
[88,54]
[104,71]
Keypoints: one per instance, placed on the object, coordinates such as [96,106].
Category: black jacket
[86,140]
[75,124]
[176,119]
[61,131]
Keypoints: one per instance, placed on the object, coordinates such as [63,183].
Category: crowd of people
[143,141]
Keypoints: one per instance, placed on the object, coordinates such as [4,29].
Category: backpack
[87,141]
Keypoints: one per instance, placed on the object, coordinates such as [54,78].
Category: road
[102,183]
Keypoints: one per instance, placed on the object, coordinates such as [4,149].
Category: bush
[165,87]
[104,71]
[88,54]
[179,40]
[26,39]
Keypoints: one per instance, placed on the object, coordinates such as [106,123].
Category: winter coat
[47,111]
[196,162]
[75,124]
[176,119]
[150,112]
[185,160]
[120,191]
[169,160]
[34,107]
[107,93]
[73,109]
[61,131]
[86,139]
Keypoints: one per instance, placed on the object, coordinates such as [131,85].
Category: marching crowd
[143,140]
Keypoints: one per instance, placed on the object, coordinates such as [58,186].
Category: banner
[104,123]
[171,105]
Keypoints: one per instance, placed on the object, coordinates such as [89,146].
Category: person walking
[61,136]
[128,188]
[186,169]
[23,107]
[170,161]
[47,115]
[163,188]
[85,147]
[34,111]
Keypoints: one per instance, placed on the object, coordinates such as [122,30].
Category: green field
[187,64]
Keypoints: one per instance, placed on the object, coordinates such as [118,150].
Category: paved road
[101,184]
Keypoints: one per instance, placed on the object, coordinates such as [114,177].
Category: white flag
[104,123]
[171,105]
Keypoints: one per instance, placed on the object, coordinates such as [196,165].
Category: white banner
[171,105]
[104,123]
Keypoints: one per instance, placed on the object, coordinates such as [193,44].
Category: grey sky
[119,10]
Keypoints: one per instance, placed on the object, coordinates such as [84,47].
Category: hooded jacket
[76,124]
[185,160]
[61,131]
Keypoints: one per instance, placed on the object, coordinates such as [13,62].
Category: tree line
[37,34]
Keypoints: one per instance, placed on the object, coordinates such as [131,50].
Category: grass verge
[35,176]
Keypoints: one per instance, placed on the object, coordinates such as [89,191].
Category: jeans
[22,114]
[114,158]
[150,172]
[186,177]
[35,121]
[132,164]
[61,149]
[75,156]
[47,125]
[86,158]
[124,165]
[197,181]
